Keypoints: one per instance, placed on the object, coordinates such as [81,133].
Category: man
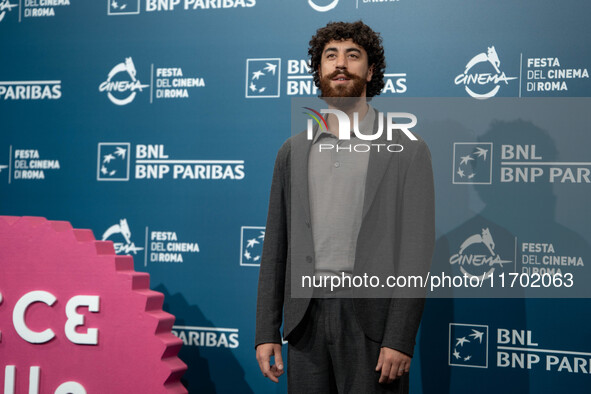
[344,213]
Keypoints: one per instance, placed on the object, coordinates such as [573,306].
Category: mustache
[342,72]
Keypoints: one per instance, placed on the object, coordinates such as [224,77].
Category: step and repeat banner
[155,123]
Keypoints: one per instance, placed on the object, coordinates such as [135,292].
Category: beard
[340,96]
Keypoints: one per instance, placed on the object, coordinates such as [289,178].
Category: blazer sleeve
[274,259]
[416,242]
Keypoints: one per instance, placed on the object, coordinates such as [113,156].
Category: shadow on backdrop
[214,370]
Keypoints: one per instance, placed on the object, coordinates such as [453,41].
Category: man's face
[344,70]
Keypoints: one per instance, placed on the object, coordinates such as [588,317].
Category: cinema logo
[121,84]
[165,247]
[376,2]
[5,7]
[542,258]
[120,234]
[3,169]
[152,162]
[473,80]
[548,74]
[208,336]
[344,130]
[29,164]
[33,8]
[6,166]
[161,246]
[42,8]
[172,83]
[322,8]
[263,79]
[477,257]
[30,90]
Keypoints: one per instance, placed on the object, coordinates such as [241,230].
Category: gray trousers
[329,353]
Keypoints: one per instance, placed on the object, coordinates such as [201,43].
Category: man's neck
[360,108]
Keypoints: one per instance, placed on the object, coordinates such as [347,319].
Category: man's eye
[330,55]
[354,56]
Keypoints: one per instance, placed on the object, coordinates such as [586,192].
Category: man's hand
[264,353]
[392,363]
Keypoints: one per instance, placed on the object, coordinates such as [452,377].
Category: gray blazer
[396,237]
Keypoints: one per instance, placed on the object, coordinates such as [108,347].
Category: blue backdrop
[156,124]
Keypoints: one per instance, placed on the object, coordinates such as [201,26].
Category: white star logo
[252,242]
[466,159]
[257,74]
[481,152]
[477,335]
[271,68]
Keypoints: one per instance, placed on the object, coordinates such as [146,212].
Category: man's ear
[370,73]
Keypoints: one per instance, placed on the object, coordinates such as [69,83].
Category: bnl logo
[251,245]
[123,7]
[468,345]
[262,77]
[472,163]
[113,161]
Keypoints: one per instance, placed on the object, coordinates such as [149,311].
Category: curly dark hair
[362,35]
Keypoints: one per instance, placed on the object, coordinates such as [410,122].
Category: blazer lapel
[299,167]
[376,168]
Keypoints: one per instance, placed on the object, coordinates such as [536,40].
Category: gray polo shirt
[336,183]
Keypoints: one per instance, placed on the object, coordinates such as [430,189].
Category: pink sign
[76,318]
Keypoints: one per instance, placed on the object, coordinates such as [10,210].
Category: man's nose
[341,61]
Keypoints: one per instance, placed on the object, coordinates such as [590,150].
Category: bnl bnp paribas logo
[263,79]
[514,349]
[132,7]
[120,234]
[151,162]
[123,7]
[113,161]
[212,337]
[251,245]
[468,345]
[472,163]
[478,77]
